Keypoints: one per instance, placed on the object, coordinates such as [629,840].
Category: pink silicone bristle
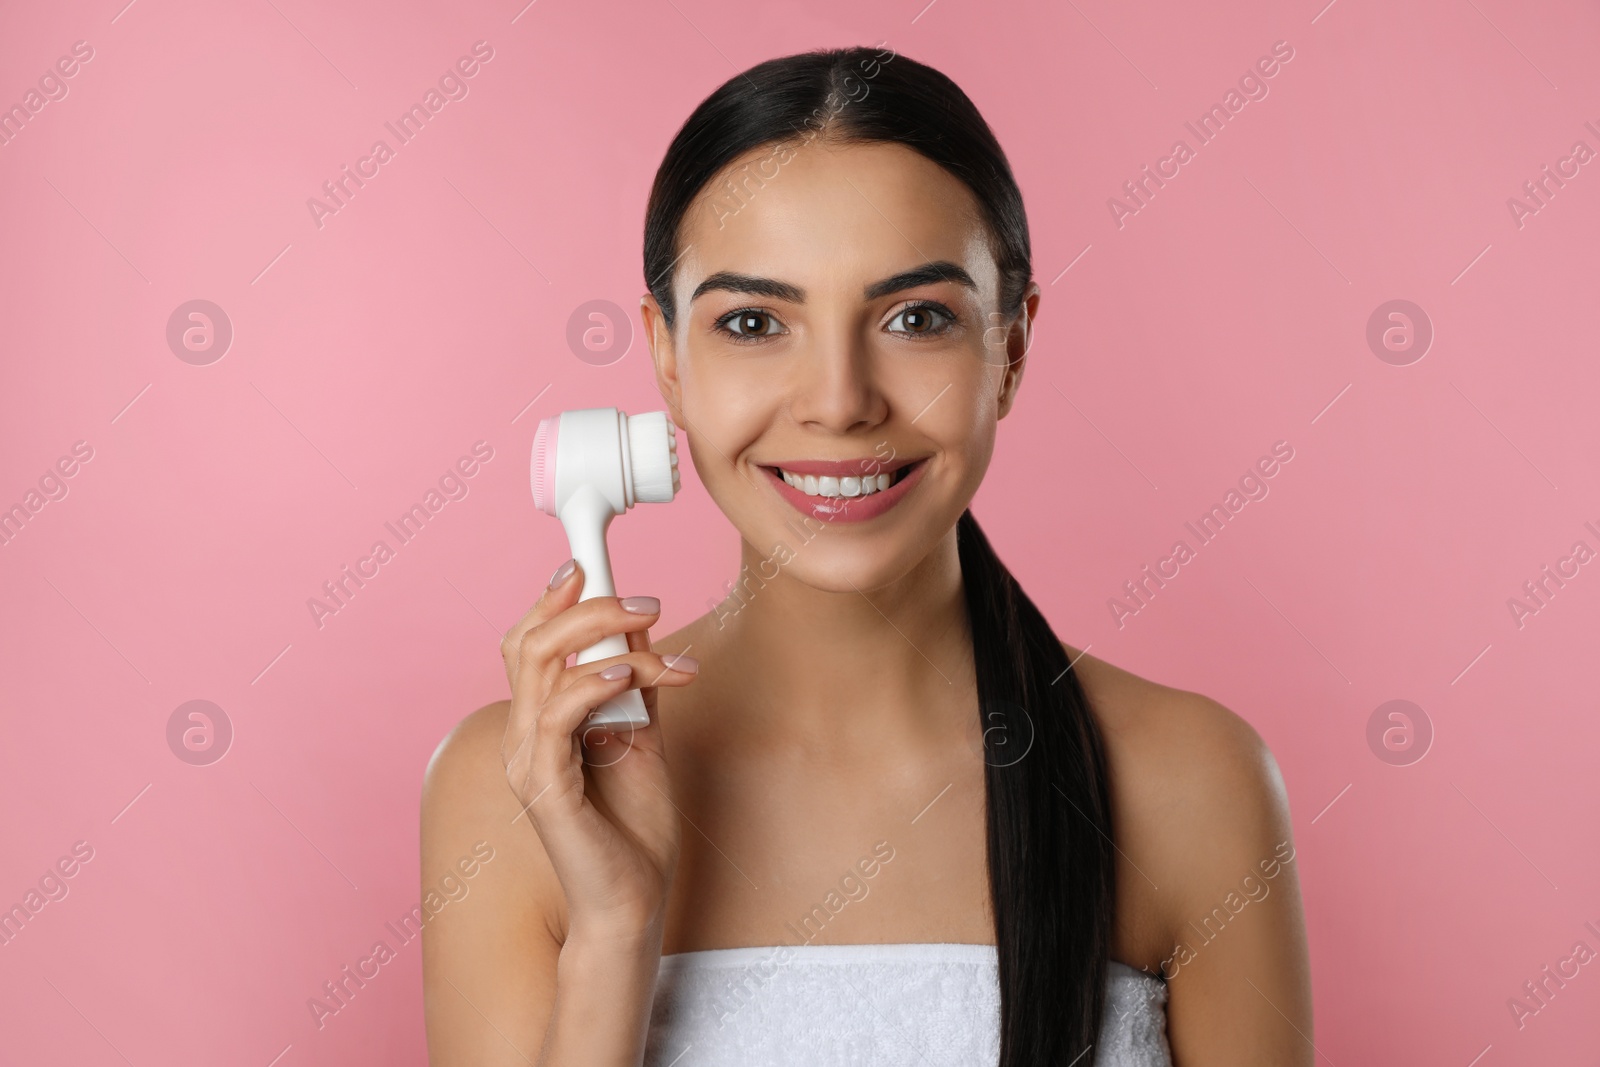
[544,464]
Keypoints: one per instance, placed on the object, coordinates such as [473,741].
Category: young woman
[880,814]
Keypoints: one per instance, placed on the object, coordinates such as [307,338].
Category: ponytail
[1051,868]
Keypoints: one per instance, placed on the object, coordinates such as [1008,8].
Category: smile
[844,491]
[845,485]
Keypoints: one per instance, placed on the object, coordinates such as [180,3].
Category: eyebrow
[732,282]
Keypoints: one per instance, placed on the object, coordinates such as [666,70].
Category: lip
[845,508]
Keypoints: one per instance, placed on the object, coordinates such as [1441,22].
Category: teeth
[829,486]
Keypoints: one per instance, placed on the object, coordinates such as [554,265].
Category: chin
[849,557]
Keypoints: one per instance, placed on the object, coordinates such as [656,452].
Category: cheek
[961,427]
[976,449]
[728,405]
[979,429]
[953,401]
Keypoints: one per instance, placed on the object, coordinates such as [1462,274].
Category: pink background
[428,314]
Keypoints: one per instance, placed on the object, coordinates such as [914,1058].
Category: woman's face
[839,323]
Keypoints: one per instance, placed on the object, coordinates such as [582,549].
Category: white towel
[903,1005]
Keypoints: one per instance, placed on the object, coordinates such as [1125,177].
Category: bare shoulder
[1177,742]
[1198,800]
[459,782]
[463,746]
[465,794]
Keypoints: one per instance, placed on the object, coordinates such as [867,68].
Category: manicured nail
[641,605]
[680,662]
[616,672]
[563,572]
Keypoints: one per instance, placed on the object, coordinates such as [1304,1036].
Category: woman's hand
[608,824]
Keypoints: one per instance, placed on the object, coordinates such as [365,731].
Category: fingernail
[563,572]
[616,672]
[641,605]
[680,662]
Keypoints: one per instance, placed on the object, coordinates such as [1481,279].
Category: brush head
[628,459]
[653,457]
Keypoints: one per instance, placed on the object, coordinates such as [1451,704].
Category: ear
[1018,339]
[663,355]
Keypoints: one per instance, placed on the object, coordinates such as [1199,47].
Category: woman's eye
[750,324]
[921,319]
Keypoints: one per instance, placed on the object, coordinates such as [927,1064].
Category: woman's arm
[488,959]
[499,985]
[1220,844]
[551,957]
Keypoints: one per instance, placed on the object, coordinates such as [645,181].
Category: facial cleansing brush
[589,466]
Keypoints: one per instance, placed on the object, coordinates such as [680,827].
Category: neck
[838,668]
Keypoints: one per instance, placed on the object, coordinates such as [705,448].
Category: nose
[836,388]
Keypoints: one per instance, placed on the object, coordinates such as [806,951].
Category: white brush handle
[585,517]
